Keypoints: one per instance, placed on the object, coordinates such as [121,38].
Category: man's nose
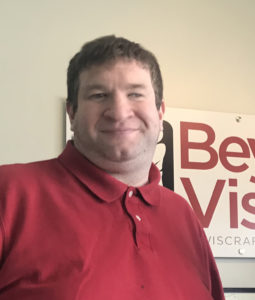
[119,107]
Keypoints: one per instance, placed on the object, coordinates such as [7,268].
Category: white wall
[206,49]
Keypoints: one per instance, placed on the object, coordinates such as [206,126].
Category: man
[94,223]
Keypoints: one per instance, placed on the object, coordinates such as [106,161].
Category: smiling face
[116,119]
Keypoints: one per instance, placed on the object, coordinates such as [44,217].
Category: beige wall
[206,49]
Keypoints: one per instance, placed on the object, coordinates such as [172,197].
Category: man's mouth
[119,130]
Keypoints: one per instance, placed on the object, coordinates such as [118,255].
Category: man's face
[116,117]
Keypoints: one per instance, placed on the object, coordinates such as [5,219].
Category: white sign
[209,159]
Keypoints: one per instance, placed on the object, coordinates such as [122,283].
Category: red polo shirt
[70,231]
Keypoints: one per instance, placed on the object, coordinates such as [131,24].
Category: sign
[209,159]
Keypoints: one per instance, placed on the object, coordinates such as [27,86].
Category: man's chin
[120,155]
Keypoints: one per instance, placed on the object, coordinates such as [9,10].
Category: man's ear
[71,113]
[161,112]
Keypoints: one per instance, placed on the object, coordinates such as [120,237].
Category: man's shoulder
[26,170]
[175,202]
[21,167]
[180,213]
[170,195]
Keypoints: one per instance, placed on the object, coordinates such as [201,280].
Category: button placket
[135,207]
[131,203]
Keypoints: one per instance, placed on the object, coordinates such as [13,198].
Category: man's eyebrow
[91,87]
[136,86]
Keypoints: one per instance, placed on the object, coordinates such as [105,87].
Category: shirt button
[138,218]
[130,194]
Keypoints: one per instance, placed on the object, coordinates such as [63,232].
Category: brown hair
[109,48]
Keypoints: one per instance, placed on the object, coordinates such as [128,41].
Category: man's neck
[132,173]
[131,176]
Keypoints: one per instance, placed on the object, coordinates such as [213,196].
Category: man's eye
[135,95]
[98,96]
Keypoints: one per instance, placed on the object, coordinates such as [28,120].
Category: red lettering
[233,204]
[206,218]
[252,179]
[249,208]
[233,210]
[252,146]
[224,154]
[186,145]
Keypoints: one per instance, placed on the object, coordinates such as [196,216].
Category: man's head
[107,49]
[115,106]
